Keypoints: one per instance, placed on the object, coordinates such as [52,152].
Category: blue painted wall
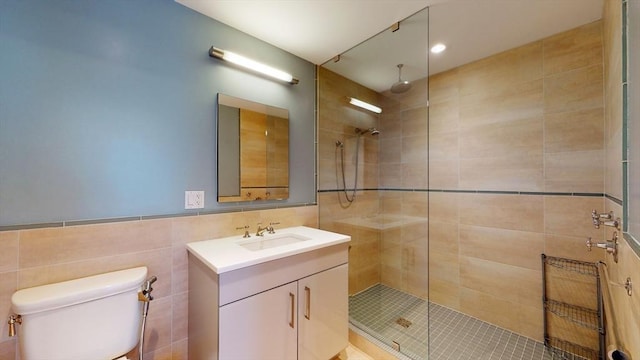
[107,108]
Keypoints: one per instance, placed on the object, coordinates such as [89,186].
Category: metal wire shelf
[580,267]
[565,350]
[572,300]
[584,317]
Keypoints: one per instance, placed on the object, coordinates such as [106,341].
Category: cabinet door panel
[323,314]
[263,326]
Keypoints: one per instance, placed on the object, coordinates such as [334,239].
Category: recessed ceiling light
[438,48]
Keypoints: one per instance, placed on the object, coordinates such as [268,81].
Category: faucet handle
[595,219]
[270,228]
[246,231]
[589,243]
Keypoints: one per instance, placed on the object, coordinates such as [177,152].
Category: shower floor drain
[403,322]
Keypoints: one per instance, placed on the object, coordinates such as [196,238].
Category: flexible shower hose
[146,294]
[355,181]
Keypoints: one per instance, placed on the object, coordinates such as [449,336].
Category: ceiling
[318,30]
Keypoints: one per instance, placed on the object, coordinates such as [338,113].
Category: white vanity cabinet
[323,314]
[262,326]
[294,307]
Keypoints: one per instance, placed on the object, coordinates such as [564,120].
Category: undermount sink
[272,241]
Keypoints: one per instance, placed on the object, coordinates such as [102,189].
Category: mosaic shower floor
[391,315]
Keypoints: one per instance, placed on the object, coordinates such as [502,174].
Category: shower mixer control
[606,219]
[610,246]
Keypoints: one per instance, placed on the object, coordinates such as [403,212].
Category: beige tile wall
[526,120]
[40,256]
[364,248]
[404,260]
[337,121]
[624,325]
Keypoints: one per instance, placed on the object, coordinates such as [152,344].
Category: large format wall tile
[574,90]
[573,49]
[575,171]
[580,130]
[527,120]
[517,248]
[41,247]
[9,254]
[42,256]
[500,72]
[511,212]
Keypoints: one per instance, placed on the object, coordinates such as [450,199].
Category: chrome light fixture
[252,65]
[365,105]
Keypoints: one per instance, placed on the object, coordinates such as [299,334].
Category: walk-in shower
[432,274]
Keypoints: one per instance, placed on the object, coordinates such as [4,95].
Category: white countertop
[226,254]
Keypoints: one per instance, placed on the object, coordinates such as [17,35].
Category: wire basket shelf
[587,318]
[565,350]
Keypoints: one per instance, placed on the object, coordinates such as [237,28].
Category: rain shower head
[402,85]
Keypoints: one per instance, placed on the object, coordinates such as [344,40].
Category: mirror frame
[230,152]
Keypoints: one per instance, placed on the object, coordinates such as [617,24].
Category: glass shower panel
[386,210]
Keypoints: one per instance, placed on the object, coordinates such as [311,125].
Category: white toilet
[92,318]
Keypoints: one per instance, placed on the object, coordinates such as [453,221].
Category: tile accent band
[144,217]
[495,192]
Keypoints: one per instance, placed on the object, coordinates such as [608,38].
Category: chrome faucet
[261,229]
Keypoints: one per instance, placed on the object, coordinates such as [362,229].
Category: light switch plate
[194,199]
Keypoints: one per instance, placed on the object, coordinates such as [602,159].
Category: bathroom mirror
[253,151]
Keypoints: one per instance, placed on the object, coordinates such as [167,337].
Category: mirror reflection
[253,151]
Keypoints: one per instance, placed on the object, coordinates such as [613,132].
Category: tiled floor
[453,335]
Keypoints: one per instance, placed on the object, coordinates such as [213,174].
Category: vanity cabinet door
[323,314]
[262,326]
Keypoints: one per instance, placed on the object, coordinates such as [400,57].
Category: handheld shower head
[372,131]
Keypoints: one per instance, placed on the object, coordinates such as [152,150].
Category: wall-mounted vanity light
[365,105]
[252,65]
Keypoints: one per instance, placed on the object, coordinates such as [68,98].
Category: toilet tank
[95,317]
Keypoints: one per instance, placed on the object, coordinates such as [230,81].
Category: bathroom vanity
[276,296]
